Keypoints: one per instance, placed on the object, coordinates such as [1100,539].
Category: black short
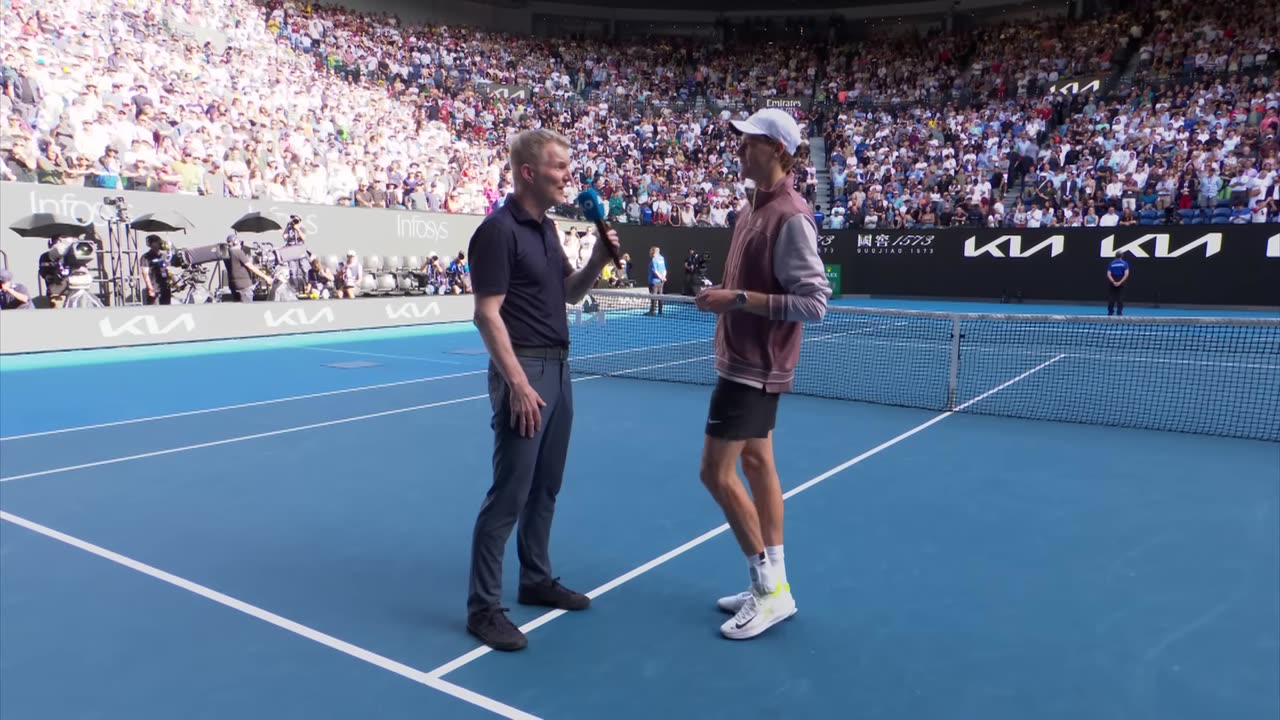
[741,412]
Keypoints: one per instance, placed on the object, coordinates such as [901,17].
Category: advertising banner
[833,277]
[506,92]
[27,331]
[1076,86]
[787,103]
[1194,264]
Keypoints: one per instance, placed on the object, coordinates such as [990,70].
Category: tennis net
[1212,376]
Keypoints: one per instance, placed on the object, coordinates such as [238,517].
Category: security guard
[1117,276]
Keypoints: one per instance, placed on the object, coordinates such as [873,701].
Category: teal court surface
[1000,518]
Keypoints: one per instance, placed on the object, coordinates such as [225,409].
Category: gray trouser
[526,479]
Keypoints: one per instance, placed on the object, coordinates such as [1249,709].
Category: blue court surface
[280,529]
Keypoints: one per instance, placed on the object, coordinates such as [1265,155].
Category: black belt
[552,352]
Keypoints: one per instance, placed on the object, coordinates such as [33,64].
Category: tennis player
[774,282]
[522,280]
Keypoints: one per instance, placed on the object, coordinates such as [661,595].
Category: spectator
[350,273]
[325,105]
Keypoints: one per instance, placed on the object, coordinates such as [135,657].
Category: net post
[954,373]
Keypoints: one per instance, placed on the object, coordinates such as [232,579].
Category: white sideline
[369,416]
[310,426]
[308,396]
[545,618]
[240,406]
[283,623]
[240,438]
[378,355]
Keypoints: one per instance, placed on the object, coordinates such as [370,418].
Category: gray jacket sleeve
[798,268]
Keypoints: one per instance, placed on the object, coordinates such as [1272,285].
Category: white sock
[777,568]
[761,573]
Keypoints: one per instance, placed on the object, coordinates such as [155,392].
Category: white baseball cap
[772,123]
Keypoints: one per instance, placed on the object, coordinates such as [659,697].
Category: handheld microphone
[592,206]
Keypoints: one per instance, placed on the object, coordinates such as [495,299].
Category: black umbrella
[163,221]
[255,222]
[49,225]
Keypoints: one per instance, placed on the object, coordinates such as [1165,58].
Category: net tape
[1211,376]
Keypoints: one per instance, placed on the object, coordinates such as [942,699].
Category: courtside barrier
[1227,265]
[330,230]
[29,331]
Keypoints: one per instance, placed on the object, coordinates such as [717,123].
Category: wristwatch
[740,299]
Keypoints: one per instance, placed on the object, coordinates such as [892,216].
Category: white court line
[311,426]
[824,338]
[241,438]
[308,396]
[379,355]
[240,406]
[545,618]
[340,421]
[283,623]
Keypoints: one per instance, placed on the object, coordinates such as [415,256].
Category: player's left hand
[716,300]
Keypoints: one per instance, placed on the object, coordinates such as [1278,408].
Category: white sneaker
[759,613]
[733,603]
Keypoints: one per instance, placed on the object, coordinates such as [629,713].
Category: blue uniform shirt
[1118,268]
[657,268]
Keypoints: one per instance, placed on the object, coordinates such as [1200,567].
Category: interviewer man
[522,280]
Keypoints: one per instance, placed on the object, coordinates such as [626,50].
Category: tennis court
[996,517]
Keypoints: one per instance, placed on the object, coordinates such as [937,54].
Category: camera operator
[241,271]
[321,284]
[292,233]
[431,276]
[695,272]
[298,269]
[13,296]
[155,271]
[459,275]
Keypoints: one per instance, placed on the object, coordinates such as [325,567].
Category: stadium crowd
[312,104]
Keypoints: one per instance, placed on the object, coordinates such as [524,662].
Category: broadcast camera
[695,273]
[121,207]
[189,287]
[276,263]
[65,271]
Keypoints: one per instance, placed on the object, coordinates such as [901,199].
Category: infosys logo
[420,227]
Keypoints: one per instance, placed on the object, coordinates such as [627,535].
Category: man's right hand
[526,409]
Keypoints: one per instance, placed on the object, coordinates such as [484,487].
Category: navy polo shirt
[513,254]
[1118,268]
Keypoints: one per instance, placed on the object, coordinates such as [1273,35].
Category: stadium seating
[292,102]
